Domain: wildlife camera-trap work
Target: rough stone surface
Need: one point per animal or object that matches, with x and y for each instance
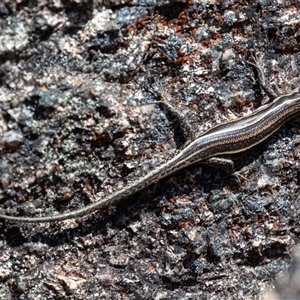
(79, 116)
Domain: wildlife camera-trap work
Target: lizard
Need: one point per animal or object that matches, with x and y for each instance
(222, 140)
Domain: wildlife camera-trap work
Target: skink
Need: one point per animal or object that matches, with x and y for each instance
(222, 140)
